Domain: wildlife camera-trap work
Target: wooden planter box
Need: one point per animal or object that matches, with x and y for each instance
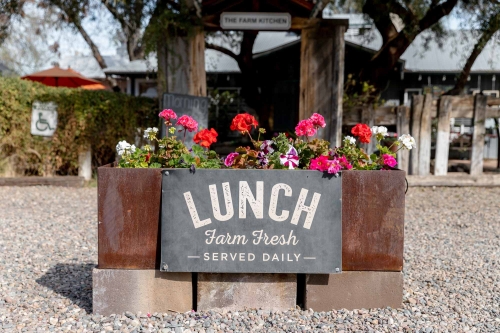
(129, 204)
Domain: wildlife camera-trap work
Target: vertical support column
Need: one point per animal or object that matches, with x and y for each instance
(181, 65)
(322, 77)
(424, 149)
(417, 104)
(477, 155)
(403, 127)
(443, 137)
(85, 163)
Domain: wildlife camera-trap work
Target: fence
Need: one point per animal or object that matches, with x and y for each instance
(417, 120)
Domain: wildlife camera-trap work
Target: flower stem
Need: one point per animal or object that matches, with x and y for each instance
(184, 138)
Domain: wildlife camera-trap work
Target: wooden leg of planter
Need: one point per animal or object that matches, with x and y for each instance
(354, 290)
(147, 290)
(237, 291)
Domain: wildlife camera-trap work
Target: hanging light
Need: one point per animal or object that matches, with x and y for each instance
(444, 77)
(420, 77)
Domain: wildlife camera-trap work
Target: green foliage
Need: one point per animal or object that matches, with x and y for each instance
(360, 94)
(201, 158)
(98, 118)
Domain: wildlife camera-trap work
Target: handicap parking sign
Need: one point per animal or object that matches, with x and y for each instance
(44, 118)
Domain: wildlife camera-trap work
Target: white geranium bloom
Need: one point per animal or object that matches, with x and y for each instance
(149, 131)
(122, 147)
(349, 140)
(407, 141)
(379, 130)
(132, 148)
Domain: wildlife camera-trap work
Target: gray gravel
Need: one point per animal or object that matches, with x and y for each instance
(48, 246)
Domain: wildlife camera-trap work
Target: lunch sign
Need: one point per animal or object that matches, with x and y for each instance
(251, 221)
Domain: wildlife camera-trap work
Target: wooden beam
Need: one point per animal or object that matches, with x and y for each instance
(424, 159)
(477, 155)
(417, 105)
(322, 78)
(403, 127)
(443, 136)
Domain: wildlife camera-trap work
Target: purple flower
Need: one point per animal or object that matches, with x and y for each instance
(266, 148)
(290, 159)
(230, 159)
(262, 158)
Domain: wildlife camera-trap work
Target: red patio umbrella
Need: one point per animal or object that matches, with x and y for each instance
(58, 77)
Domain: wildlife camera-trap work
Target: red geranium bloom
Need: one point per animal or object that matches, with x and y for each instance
(305, 127)
(243, 123)
(362, 131)
(206, 137)
(188, 123)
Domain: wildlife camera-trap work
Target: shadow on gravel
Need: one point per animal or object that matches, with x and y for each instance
(73, 281)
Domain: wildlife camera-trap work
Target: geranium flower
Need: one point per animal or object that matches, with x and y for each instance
(389, 160)
(230, 159)
(124, 147)
(317, 120)
(262, 158)
(363, 132)
(168, 115)
(320, 163)
(344, 163)
(150, 132)
(349, 140)
(266, 148)
(206, 137)
(243, 123)
(407, 141)
(305, 127)
(290, 159)
(188, 123)
(379, 131)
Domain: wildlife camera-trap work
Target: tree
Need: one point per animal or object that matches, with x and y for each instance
(416, 16)
(8, 9)
(486, 16)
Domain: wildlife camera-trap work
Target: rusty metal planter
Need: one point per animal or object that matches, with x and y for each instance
(129, 202)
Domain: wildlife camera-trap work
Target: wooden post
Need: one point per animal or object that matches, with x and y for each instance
(181, 64)
(403, 127)
(85, 163)
(443, 136)
(477, 155)
(368, 117)
(322, 77)
(417, 105)
(424, 149)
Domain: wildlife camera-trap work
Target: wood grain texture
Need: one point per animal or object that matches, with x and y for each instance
(478, 134)
(403, 127)
(322, 78)
(424, 159)
(443, 136)
(416, 119)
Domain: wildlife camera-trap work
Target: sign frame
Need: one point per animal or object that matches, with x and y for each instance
(191, 224)
(253, 21)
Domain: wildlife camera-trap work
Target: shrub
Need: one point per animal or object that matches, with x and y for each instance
(98, 118)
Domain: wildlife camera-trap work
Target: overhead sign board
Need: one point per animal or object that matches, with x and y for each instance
(255, 21)
(43, 118)
(193, 106)
(251, 221)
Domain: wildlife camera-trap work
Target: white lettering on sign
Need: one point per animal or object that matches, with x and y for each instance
(311, 210)
(194, 213)
(256, 203)
(274, 202)
(227, 199)
(255, 21)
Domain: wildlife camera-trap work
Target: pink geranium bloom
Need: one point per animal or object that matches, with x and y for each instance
(230, 159)
(188, 123)
(167, 114)
(344, 163)
(389, 160)
(319, 163)
(266, 148)
(317, 120)
(305, 127)
(290, 159)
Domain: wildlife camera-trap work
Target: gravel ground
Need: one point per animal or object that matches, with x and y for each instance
(48, 247)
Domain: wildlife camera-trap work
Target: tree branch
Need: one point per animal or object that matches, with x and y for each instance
(120, 18)
(95, 50)
(436, 13)
(222, 50)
